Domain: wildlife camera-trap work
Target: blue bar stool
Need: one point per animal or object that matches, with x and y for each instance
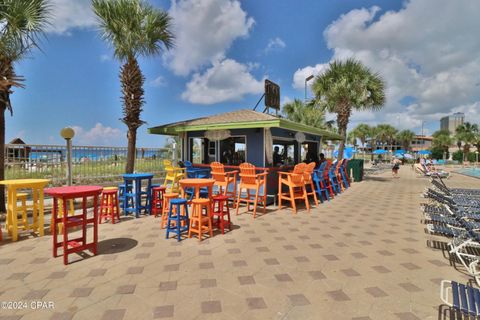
(177, 217)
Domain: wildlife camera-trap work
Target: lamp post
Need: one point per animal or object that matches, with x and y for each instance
(423, 122)
(67, 133)
(310, 77)
(476, 158)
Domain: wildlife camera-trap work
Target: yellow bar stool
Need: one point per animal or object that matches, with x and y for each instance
(71, 212)
(19, 209)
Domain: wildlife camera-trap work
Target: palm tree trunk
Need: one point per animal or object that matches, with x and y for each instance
(132, 81)
(342, 131)
(131, 152)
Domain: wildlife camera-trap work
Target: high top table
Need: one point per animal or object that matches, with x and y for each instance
(133, 191)
(196, 184)
(37, 186)
(76, 220)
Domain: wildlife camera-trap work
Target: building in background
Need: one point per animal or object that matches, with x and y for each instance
(421, 143)
(451, 123)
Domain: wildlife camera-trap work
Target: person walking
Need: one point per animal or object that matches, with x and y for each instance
(396, 166)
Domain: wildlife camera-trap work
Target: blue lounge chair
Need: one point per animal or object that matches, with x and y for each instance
(465, 299)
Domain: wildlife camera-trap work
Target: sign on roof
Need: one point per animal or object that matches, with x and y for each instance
(272, 94)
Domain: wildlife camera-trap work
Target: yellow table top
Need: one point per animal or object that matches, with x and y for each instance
(25, 182)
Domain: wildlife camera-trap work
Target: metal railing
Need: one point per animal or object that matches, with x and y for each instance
(89, 164)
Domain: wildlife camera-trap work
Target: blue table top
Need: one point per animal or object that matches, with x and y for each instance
(138, 175)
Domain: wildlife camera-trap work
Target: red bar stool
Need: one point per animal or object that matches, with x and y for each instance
(220, 210)
(200, 223)
(157, 202)
(109, 205)
(165, 205)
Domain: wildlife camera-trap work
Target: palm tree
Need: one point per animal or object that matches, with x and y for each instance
(362, 132)
(134, 28)
(442, 139)
(405, 137)
(307, 114)
(386, 133)
(466, 133)
(22, 22)
(347, 86)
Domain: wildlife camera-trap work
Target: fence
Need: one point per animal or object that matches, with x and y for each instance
(89, 164)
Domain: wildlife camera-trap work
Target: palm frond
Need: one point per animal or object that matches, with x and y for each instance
(133, 27)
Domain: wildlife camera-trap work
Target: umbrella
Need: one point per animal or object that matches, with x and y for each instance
(401, 151)
(346, 153)
(424, 152)
(407, 156)
(380, 151)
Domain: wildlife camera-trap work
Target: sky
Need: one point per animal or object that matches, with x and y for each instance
(425, 50)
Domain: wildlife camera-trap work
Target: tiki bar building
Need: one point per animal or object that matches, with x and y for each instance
(245, 135)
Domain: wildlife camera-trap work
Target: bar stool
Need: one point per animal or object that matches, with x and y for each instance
(157, 202)
(109, 205)
(71, 212)
(21, 209)
(220, 210)
(199, 223)
(165, 205)
(177, 217)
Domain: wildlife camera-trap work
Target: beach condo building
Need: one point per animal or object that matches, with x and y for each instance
(451, 123)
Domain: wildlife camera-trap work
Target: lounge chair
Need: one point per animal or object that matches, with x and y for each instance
(467, 251)
(464, 299)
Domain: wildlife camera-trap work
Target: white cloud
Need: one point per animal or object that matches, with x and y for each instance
(431, 57)
(204, 30)
(227, 80)
(158, 82)
(301, 74)
(275, 44)
(68, 14)
(99, 135)
(105, 57)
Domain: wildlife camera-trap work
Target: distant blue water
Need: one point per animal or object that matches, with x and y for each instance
(472, 172)
(84, 154)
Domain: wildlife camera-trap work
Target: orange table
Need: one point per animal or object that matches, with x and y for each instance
(196, 184)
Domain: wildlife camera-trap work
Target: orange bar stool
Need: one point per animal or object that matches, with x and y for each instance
(200, 223)
(220, 211)
(165, 205)
(157, 200)
(109, 205)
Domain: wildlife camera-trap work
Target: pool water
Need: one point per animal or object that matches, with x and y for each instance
(472, 172)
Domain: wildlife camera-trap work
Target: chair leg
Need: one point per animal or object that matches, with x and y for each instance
(305, 196)
(314, 193)
(255, 203)
(238, 200)
(292, 199)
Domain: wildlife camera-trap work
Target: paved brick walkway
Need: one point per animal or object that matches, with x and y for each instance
(364, 255)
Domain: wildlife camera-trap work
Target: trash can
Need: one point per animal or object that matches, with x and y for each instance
(355, 168)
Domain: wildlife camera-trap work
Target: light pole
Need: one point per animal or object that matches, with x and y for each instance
(310, 77)
(423, 122)
(476, 158)
(67, 133)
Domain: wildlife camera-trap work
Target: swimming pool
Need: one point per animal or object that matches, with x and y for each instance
(472, 172)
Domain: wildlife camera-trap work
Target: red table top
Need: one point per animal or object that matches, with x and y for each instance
(73, 191)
